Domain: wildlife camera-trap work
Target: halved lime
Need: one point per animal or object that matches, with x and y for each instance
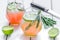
(53, 32)
(7, 30)
(29, 17)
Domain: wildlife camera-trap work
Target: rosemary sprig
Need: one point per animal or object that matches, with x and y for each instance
(29, 26)
(48, 22)
(38, 19)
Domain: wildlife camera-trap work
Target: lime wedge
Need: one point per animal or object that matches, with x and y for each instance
(7, 30)
(53, 32)
(29, 17)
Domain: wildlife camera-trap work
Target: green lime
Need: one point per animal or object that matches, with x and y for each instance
(29, 17)
(53, 32)
(14, 6)
(7, 30)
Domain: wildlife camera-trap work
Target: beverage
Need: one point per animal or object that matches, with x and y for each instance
(14, 13)
(31, 26)
(32, 31)
(15, 17)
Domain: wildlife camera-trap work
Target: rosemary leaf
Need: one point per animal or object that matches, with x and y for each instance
(38, 19)
(28, 26)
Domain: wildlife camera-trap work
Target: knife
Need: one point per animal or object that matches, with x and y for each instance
(49, 11)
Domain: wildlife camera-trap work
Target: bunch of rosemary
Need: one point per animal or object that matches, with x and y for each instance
(48, 22)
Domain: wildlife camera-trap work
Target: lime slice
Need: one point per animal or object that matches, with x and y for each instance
(7, 30)
(53, 32)
(29, 17)
(12, 6)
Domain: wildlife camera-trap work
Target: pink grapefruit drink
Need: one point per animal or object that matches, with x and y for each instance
(14, 14)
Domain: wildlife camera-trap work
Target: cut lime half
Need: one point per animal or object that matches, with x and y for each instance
(53, 32)
(7, 30)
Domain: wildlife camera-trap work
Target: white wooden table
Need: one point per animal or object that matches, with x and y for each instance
(18, 34)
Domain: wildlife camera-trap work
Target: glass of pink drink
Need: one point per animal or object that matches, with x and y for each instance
(15, 13)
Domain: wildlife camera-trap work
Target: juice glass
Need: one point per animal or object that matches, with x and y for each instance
(15, 13)
(32, 24)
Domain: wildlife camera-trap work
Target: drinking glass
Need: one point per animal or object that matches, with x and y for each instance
(32, 23)
(15, 11)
